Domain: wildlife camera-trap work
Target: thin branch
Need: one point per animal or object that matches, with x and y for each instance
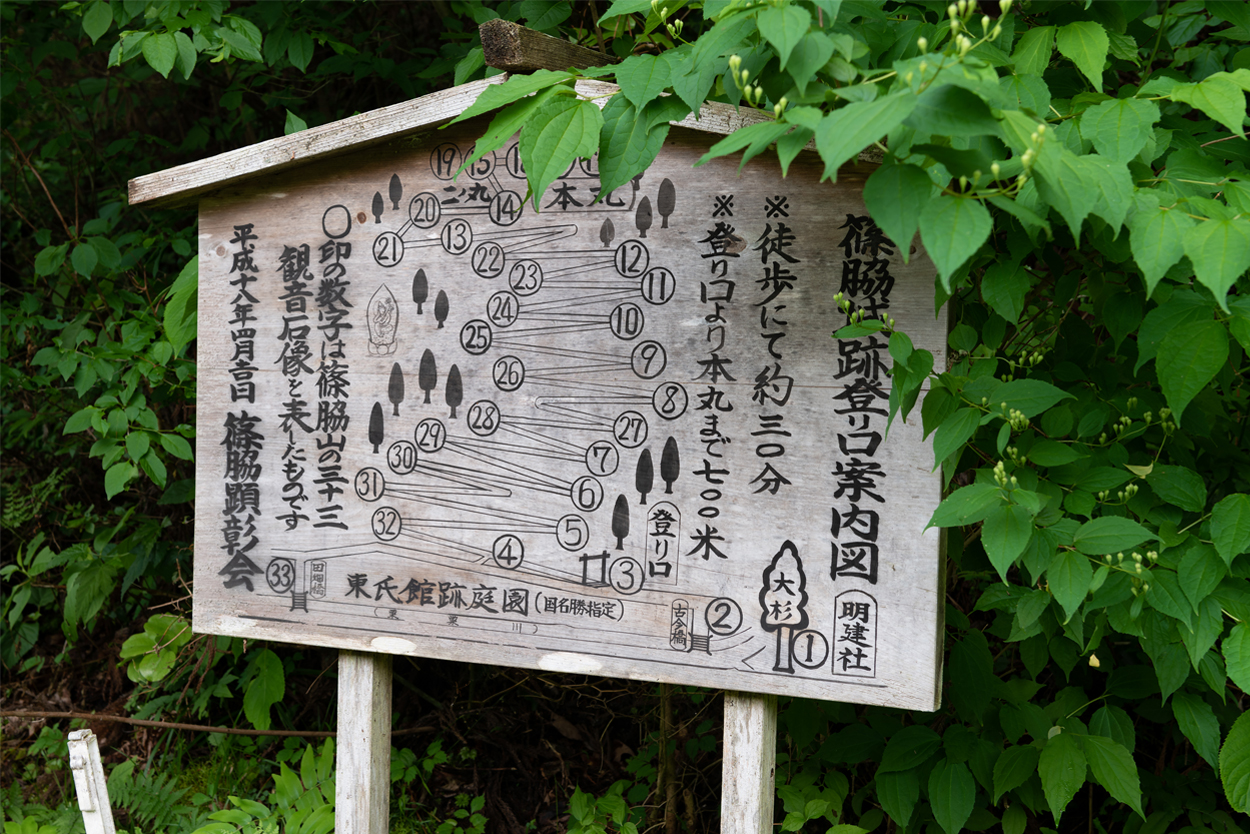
(171, 725)
(35, 171)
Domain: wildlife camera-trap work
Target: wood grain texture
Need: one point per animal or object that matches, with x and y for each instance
(750, 761)
(89, 782)
(514, 48)
(363, 750)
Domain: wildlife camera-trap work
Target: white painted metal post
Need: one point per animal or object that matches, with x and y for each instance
(93, 795)
(363, 749)
(749, 764)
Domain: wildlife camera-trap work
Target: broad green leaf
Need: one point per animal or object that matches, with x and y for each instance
(783, 27)
(1184, 308)
(1120, 128)
(1085, 44)
(1219, 96)
(897, 792)
(300, 50)
(506, 123)
(964, 506)
(952, 795)
(137, 444)
(1189, 358)
(265, 689)
(1239, 324)
(1115, 724)
(908, 748)
(176, 446)
(1235, 764)
(516, 87)
(723, 37)
(239, 45)
(1109, 534)
(1017, 209)
(970, 671)
(84, 259)
(643, 77)
(811, 53)
(953, 229)
(1033, 51)
(98, 18)
(1114, 189)
(294, 124)
(1026, 92)
(117, 476)
(751, 140)
(160, 51)
(1165, 595)
(1172, 667)
(1157, 237)
(1201, 572)
(623, 7)
(954, 432)
(626, 147)
(80, 420)
(1230, 526)
(181, 306)
(1220, 250)
(895, 196)
(562, 130)
(1066, 181)
(1004, 534)
(1062, 768)
(187, 55)
(788, 148)
(848, 130)
(1236, 651)
(1113, 767)
(693, 87)
(1207, 626)
(949, 110)
(1028, 396)
(1014, 767)
(1053, 453)
(1069, 576)
(1178, 485)
(1003, 287)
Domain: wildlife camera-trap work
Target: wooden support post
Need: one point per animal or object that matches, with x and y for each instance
(749, 764)
(363, 767)
(93, 795)
(513, 48)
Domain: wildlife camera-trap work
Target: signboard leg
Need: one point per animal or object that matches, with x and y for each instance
(93, 797)
(363, 767)
(749, 763)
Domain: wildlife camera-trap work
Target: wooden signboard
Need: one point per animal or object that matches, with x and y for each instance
(611, 434)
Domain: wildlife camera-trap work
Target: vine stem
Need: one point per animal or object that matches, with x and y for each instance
(172, 725)
(42, 184)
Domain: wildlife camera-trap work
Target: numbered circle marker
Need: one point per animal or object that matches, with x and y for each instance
(525, 277)
(401, 457)
(424, 211)
(488, 259)
(572, 532)
(508, 552)
(809, 649)
(723, 617)
(457, 236)
(658, 285)
(483, 168)
(388, 249)
(386, 523)
(508, 373)
(370, 484)
(602, 458)
(625, 576)
(445, 160)
(430, 435)
(475, 337)
(631, 258)
(630, 429)
(587, 494)
(503, 308)
(512, 161)
(280, 574)
(649, 359)
(626, 321)
(670, 400)
(505, 208)
(484, 417)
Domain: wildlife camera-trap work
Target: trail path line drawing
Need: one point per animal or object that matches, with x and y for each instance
(613, 435)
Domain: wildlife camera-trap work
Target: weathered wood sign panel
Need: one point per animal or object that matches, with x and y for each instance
(611, 438)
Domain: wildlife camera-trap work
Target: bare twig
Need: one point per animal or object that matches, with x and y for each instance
(171, 725)
(35, 171)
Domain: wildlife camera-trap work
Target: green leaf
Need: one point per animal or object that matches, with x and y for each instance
(1236, 651)
(897, 792)
(97, 20)
(1028, 396)
(181, 306)
(1184, 308)
(895, 196)
(1165, 595)
(80, 420)
(50, 259)
(1004, 534)
(1003, 287)
(1062, 768)
(723, 37)
(117, 476)
(954, 432)
(179, 492)
(1114, 190)
(624, 7)
(265, 689)
(1207, 626)
(1027, 217)
(626, 147)
(1197, 721)
(1053, 453)
(752, 140)
(783, 27)
(84, 259)
(642, 77)
(561, 131)
(1066, 182)
(1120, 128)
(294, 124)
(1085, 44)
(87, 590)
(966, 506)
(1115, 724)
(908, 748)
(952, 795)
(1115, 770)
(515, 88)
(848, 130)
(1069, 576)
(239, 45)
(1014, 767)
(300, 50)
(811, 53)
(1220, 250)
(953, 229)
(1178, 485)
(1109, 534)
(970, 671)
(1219, 96)
(1033, 51)
(1235, 764)
(1230, 526)
(505, 124)
(137, 444)
(950, 110)
(1189, 358)
(1200, 572)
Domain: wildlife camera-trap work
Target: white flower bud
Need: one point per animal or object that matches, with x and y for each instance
(923, 43)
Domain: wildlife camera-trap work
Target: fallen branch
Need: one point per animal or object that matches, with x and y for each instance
(202, 728)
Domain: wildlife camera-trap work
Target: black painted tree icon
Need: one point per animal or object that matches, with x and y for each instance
(783, 598)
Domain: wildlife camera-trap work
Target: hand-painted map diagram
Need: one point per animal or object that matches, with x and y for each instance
(612, 435)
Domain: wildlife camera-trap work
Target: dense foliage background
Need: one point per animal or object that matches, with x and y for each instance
(1078, 174)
